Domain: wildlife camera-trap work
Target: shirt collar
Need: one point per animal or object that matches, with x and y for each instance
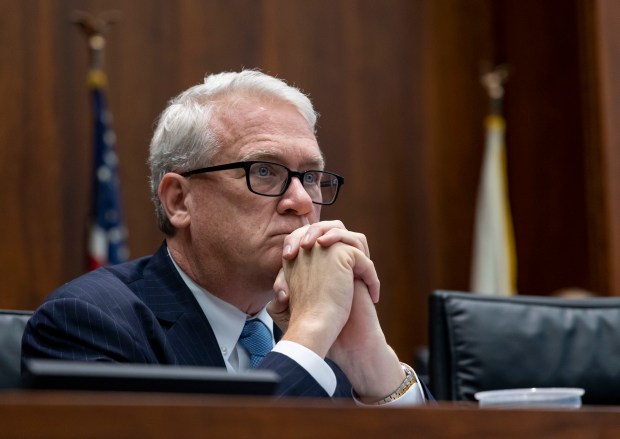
(226, 320)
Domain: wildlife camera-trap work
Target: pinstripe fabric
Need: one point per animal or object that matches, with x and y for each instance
(142, 312)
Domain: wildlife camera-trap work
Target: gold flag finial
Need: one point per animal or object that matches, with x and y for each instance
(94, 29)
(493, 80)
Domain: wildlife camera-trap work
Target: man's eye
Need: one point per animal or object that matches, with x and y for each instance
(310, 178)
(263, 171)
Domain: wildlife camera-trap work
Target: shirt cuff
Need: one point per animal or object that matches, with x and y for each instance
(311, 362)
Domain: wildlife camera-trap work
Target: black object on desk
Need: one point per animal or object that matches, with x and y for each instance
(75, 375)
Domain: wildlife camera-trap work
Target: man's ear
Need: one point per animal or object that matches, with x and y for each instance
(173, 191)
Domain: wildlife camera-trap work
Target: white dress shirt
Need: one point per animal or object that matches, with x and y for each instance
(227, 322)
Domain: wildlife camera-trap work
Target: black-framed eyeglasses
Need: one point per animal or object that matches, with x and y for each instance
(273, 179)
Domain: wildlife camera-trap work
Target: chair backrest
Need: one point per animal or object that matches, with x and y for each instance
(12, 324)
(484, 343)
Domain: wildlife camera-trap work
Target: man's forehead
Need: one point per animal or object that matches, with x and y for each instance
(254, 129)
(285, 156)
(238, 115)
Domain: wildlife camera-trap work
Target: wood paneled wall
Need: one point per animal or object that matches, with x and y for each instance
(397, 86)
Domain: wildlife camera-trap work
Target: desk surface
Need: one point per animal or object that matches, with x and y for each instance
(37, 414)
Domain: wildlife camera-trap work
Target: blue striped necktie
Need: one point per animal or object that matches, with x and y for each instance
(256, 339)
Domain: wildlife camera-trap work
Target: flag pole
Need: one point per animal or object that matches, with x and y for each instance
(107, 234)
(494, 257)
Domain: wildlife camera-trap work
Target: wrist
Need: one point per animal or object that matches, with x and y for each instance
(312, 334)
(403, 388)
(373, 376)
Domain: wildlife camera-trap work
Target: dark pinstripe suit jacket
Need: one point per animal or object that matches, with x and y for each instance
(142, 312)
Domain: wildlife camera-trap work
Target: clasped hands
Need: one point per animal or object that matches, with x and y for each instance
(325, 300)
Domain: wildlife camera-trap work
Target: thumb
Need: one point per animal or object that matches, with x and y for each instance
(278, 308)
(279, 304)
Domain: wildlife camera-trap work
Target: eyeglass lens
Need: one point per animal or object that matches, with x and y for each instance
(271, 179)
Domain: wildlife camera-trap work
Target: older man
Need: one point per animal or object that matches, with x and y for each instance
(238, 181)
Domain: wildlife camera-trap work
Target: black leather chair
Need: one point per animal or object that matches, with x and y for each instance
(481, 343)
(12, 324)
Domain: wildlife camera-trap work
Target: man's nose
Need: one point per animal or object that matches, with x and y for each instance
(296, 198)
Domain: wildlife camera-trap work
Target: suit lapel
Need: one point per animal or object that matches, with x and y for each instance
(188, 331)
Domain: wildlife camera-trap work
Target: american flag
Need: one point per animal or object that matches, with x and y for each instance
(107, 240)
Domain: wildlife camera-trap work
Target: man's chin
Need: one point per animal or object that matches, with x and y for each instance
(278, 239)
(272, 261)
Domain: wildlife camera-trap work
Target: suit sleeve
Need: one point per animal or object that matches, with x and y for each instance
(296, 381)
(73, 329)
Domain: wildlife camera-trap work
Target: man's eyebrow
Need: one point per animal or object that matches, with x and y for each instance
(271, 156)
